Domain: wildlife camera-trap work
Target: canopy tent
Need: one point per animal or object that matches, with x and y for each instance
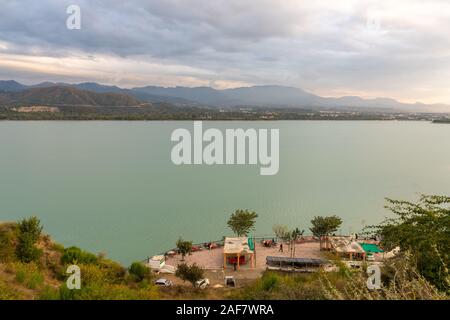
(370, 247)
(345, 246)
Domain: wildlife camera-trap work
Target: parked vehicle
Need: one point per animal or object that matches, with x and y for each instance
(202, 284)
(163, 282)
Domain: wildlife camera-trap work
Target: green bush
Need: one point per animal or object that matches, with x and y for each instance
(74, 255)
(29, 231)
(138, 271)
(270, 282)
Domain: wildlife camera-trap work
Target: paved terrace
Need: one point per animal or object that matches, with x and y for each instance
(213, 259)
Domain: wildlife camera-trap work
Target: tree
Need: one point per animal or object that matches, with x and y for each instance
(138, 271)
(184, 247)
(242, 222)
(295, 234)
(29, 231)
(423, 230)
(323, 226)
(281, 231)
(192, 273)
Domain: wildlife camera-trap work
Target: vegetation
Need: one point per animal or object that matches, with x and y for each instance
(401, 281)
(8, 237)
(242, 222)
(423, 230)
(43, 276)
(138, 271)
(74, 255)
(184, 247)
(419, 271)
(167, 111)
(290, 236)
(29, 231)
(192, 273)
(324, 226)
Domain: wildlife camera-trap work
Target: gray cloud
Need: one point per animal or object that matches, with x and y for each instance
(329, 47)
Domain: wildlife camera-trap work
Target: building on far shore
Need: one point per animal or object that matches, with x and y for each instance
(238, 251)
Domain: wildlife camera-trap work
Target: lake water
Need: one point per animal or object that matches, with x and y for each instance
(111, 186)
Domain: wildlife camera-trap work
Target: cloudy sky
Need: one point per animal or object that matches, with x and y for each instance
(382, 48)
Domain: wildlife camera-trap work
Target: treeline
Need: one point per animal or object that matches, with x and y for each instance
(164, 111)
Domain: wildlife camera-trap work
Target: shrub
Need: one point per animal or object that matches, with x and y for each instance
(8, 240)
(49, 293)
(138, 271)
(28, 274)
(8, 293)
(29, 231)
(75, 255)
(113, 271)
(270, 282)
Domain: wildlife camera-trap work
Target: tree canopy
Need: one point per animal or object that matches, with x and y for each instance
(323, 226)
(191, 273)
(184, 247)
(423, 230)
(242, 222)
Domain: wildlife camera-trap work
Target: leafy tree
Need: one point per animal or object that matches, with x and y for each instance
(192, 273)
(242, 222)
(184, 247)
(139, 271)
(29, 231)
(323, 226)
(281, 232)
(423, 230)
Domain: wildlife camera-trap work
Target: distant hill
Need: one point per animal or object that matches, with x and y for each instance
(67, 95)
(11, 86)
(256, 96)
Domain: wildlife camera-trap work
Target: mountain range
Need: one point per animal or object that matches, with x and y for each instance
(91, 93)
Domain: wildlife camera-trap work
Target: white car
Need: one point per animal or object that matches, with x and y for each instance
(202, 284)
(163, 282)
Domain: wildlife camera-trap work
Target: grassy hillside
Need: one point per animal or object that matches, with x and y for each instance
(33, 266)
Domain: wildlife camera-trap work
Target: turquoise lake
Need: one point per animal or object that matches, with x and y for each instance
(111, 186)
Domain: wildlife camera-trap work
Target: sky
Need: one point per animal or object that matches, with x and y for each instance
(383, 48)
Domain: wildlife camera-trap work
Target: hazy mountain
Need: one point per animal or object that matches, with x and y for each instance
(269, 96)
(11, 86)
(66, 95)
